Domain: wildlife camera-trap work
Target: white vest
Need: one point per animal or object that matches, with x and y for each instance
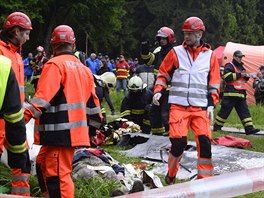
(189, 85)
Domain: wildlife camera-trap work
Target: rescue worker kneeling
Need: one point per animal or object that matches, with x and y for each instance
(135, 106)
(66, 110)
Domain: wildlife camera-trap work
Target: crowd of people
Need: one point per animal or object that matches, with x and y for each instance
(174, 89)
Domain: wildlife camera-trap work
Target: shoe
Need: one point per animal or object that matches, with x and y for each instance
(117, 192)
(169, 180)
(217, 127)
(137, 187)
(252, 131)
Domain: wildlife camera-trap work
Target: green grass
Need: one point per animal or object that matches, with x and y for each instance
(102, 188)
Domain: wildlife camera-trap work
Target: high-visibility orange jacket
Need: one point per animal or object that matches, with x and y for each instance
(65, 103)
(122, 70)
(172, 71)
(11, 51)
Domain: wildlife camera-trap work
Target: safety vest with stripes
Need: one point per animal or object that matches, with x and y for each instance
(189, 85)
(5, 66)
(240, 83)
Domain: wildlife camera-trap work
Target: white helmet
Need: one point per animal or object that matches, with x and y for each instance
(157, 50)
(109, 79)
(136, 84)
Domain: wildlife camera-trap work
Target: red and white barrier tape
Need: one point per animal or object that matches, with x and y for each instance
(226, 185)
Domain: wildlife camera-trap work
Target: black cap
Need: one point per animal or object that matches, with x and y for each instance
(238, 53)
(261, 67)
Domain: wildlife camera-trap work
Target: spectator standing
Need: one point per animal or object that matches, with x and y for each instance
(67, 112)
(234, 95)
(103, 66)
(92, 63)
(193, 70)
(28, 67)
(122, 72)
(110, 64)
(258, 85)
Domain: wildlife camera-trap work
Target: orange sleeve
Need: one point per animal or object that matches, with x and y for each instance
(214, 79)
(49, 82)
(167, 67)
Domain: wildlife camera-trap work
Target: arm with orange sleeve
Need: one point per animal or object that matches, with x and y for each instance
(213, 86)
(167, 67)
(48, 85)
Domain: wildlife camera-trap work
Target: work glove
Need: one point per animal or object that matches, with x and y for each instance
(145, 47)
(156, 98)
(244, 74)
(210, 114)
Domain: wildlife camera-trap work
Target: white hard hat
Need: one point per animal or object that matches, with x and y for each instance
(109, 79)
(136, 84)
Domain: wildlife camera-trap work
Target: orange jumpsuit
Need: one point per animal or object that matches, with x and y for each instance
(65, 107)
(11, 51)
(195, 79)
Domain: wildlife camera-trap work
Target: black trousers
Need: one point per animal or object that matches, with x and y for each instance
(159, 115)
(241, 107)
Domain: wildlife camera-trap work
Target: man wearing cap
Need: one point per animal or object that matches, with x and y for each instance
(122, 71)
(236, 77)
(258, 85)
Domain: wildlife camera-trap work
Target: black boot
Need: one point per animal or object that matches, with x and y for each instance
(169, 180)
(217, 127)
(251, 130)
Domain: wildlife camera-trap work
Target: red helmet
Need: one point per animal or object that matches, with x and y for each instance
(40, 49)
(193, 24)
(18, 19)
(166, 32)
(62, 34)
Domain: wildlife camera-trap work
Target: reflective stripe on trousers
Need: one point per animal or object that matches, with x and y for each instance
(20, 183)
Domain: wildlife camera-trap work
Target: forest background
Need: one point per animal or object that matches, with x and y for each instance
(116, 27)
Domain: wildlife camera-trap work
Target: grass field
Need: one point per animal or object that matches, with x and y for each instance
(97, 188)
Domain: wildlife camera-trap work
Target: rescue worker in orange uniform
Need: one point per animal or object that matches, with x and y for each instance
(159, 115)
(12, 113)
(38, 61)
(15, 33)
(234, 95)
(192, 70)
(66, 110)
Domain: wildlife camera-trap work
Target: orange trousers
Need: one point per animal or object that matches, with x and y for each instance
(54, 167)
(181, 120)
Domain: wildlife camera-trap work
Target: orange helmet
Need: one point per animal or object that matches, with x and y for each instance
(193, 24)
(62, 34)
(40, 49)
(166, 32)
(18, 19)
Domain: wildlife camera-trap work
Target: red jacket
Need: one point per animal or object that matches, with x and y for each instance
(122, 70)
(65, 105)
